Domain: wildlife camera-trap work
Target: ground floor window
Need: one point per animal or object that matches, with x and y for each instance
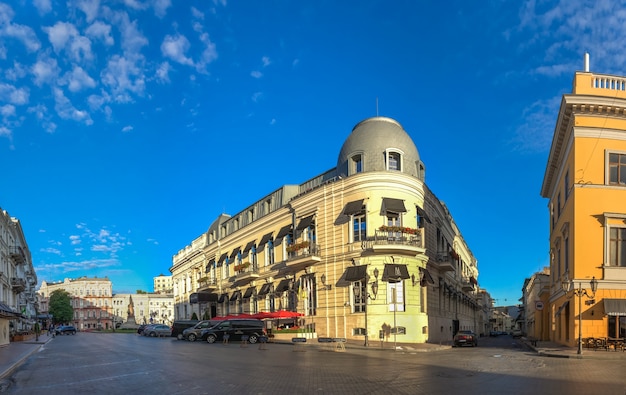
(617, 326)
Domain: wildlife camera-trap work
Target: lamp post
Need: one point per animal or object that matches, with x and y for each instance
(568, 286)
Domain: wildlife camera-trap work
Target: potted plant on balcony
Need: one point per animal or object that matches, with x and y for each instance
(298, 246)
(242, 266)
(400, 229)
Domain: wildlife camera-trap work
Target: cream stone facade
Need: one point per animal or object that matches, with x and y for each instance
(18, 281)
(585, 184)
(163, 284)
(90, 299)
(364, 251)
(147, 308)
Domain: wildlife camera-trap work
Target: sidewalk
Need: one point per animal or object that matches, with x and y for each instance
(550, 349)
(15, 353)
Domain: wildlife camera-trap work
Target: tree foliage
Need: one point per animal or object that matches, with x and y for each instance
(194, 316)
(60, 306)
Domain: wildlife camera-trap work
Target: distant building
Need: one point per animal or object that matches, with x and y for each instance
(18, 280)
(585, 184)
(90, 299)
(147, 308)
(536, 299)
(363, 250)
(163, 284)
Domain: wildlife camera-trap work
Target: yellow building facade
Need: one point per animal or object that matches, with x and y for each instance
(364, 251)
(585, 182)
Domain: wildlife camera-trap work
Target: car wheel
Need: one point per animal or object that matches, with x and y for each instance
(191, 337)
(210, 339)
(152, 334)
(73, 333)
(253, 339)
(180, 336)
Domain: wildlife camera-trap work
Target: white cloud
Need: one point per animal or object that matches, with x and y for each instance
(20, 32)
(162, 72)
(160, 7)
(43, 6)
(60, 34)
(127, 128)
(533, 135)
(45, 70)
(66, 110)
(209, 54)
(175, 47)
(123, 76)
(8, 110)
(101, 31)
(257, 96)
(78, 80)
(74, 239)
(89, 7)
(266, 61)
(256, 74)
(13, 95)
(196, 13)
(5, 132)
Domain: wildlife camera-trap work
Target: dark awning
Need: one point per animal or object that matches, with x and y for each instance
(222, 258)
(210, 265)
(265, 289)
(394, 273)
(222, 298)
(426, 277)
(354, 207)
(284, 231)
(247, 249)
(392, 206)
(305, 222)
(283, 286)
(615, 307)
(249, 292)
(355, 273)
(200, 297)
(234, 253)
(235, 296)
(7, 312)
(264, 241)
(422, 213)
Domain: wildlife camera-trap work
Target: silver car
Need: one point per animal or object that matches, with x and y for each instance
(194, 333)
(157, 330)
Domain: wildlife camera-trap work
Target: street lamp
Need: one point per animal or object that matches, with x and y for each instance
(568, 286)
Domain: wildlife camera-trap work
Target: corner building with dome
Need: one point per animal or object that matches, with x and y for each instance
(364, 251)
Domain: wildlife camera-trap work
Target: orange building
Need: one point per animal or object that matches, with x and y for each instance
(585, 182)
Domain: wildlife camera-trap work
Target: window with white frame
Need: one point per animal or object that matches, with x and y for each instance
(359, 296)
(269, 253)
(393, 159)
(617, 246)
(359, 227)
(356, 164)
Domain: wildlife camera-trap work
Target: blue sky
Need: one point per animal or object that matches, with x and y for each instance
(128, 126)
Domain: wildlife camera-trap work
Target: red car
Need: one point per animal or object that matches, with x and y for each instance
(465, 338)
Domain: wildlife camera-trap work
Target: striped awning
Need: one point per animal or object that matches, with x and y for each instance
(615, 307)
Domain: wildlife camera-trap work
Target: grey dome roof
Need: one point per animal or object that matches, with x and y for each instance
(371, 138)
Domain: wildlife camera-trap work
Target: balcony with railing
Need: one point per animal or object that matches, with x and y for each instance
(246, 272)
(467, 285)
(17, 254)
(303, 254)
(445, 261)
(395, 239)
(18, 284)
(207, 284)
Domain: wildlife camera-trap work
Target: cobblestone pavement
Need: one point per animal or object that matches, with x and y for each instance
(105, 364)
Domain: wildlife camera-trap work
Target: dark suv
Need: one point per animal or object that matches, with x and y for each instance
(195, 332)
(235, 329)
(180, 325)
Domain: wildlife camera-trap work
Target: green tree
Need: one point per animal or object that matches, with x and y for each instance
(140, 292)
(61, 306)
(194, 316)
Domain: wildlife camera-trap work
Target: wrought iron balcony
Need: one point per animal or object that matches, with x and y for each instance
(399, 242)
(18, 284)
(445, 262)
(467, 286)
(17, 254)
(207, 284)
(301, 255)
(246, 272)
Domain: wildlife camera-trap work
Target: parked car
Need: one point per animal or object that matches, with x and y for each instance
(141, 328)
(180, 325)
(195, 332)
(465, 338)
(157, 330)
(516, 333)
(65, 330)
(235, 329)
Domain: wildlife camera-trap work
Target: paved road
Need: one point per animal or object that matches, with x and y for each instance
(123, 363)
